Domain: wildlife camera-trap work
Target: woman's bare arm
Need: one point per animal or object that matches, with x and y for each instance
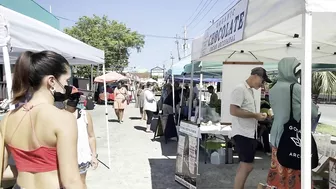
(10, 172)
(4, 158)
(67, 151)
(91, 134)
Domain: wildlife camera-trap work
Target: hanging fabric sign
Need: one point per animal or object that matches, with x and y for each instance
(226, 30)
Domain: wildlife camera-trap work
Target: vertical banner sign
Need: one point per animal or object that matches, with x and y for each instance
(332, 173)
(227, 30)
(187, 155)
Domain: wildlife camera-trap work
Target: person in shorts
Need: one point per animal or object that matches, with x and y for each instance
(86, 143)
(245, 119)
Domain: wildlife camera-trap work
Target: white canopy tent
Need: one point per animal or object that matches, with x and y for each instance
(29, 34)
(272, 34)
(19, 33)
(275, 29)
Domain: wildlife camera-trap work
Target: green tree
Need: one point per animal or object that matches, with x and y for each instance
(323, 83)
(115, 38)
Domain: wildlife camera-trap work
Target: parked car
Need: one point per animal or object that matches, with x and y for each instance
(101, 98)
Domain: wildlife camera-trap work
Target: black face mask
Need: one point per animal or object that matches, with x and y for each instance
(60, 97)
(72, 103)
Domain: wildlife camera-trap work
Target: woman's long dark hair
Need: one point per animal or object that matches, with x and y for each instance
(31, 68)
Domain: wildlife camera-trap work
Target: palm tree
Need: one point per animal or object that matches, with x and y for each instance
(323, 83)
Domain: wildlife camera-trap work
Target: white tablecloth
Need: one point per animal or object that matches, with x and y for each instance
(216, 130)
(224, 130)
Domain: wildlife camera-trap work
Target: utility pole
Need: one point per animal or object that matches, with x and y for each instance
(174, 105)
(178, 49)
(185, 45)
(172, 58)
(164, 72)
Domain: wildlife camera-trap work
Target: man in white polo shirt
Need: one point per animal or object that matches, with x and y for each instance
(245, 118)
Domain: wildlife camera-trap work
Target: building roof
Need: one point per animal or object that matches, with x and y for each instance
(142, 75)
(157, 68)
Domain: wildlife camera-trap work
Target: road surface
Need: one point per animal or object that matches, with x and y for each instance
(328, 114)
(137, 162)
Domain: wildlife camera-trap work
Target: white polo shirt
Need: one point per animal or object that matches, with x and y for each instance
(243, 96)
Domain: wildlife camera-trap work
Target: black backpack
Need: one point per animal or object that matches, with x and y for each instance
(89, 103)
(289, 150)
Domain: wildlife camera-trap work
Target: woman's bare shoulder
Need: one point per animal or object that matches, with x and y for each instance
(52, 113)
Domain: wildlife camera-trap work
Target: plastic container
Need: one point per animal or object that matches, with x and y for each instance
(215, 158)
(223, 155)
(229, 153)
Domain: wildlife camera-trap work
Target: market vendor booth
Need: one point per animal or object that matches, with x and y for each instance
(253, 32)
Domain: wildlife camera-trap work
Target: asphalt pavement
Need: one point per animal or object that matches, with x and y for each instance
(328, 114)
(137, 162)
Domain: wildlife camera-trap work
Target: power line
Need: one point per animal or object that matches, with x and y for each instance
(226, 9)
(218, 16)
(146, 35)
(166, 37)
(67, 19)
(195, 11)
(206, 4)
(213, 5)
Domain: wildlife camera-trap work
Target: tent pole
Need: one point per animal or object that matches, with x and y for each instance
(106, 119)
(200, 99)
(191, 95)
(91, 78)
(8, 74)
(173, 83)
(179, 116)
(306, 98)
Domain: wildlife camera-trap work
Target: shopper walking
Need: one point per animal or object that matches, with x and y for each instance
(43, 147)
(137, 94)
(86, 145)
(150, 105)
(141, 103)
(167, 107)
(140, 97)
(244, 122)
(120, 101)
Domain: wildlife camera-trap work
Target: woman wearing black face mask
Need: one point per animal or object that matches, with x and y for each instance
(86, 145)
(61, 97)
(43, 147)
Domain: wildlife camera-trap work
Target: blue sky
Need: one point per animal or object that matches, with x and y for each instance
(154, 17)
